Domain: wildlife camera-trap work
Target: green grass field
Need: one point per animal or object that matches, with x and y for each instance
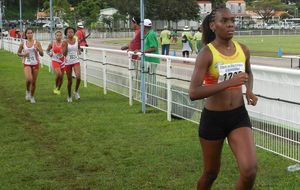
(101, 143)
(262, 44)
(258, 45)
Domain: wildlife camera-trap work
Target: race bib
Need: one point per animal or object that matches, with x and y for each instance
(227, 71)
(30, 59)
(58, 56)
(72, 55)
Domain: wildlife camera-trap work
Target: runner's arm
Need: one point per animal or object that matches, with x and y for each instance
(251, 98)
(39, 48)
(48, 51)
(65, 48)
(20, 53)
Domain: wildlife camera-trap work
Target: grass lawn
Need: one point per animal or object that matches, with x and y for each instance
(101, 143)
(289, 44)
(258, 45)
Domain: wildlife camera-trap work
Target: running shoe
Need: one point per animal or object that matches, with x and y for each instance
(56, 91)
(69, 99)
(32, 100)
(27, 96)
(77, 96)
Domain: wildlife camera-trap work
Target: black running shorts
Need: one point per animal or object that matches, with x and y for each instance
(216, 125)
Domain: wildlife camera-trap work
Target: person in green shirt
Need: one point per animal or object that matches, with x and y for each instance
(151, 46)
(150, 42)
(165, 41)
(197, 38)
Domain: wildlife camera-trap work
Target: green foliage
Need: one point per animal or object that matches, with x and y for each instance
(266, 8)
(88, 10)
(171, 10)
(217, 3)
(59, 6)
(29, 8)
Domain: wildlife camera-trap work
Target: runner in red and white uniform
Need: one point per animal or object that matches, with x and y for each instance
(54, 50)
(71, 51)
(30, 50)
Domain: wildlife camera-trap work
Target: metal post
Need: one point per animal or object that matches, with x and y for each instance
(84, 67)
(51, 29)
(21, 21)
(130, 78)
(51, 21)
(142, 57)
(1, 26)
(104, 72)
(169, 91)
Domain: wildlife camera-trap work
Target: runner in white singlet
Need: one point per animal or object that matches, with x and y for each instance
(71, 51)
(30, 50)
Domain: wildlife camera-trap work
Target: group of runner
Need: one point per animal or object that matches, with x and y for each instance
(221, 68)
(65, 58)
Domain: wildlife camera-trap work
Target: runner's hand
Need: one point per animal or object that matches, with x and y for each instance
(251, 98)
(26, 54)
(238, 79)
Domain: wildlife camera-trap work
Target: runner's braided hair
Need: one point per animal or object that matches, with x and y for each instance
(207, 34)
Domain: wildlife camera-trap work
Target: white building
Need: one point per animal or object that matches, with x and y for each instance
(236, 6)
(205, 7)
(108, 14)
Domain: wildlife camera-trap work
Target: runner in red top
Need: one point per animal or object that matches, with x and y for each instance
(80, 33)
(54, 50)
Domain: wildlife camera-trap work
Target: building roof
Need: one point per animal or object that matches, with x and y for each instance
(280, 13)
(203, 2)
(108, 11)
(236, 1)
(41, 14)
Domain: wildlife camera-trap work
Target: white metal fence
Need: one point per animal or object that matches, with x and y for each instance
(266, 32)
(45, 36)
(275, 119)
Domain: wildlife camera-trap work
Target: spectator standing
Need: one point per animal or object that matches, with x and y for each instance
(151, 46)
(197, 38)
(165, 40)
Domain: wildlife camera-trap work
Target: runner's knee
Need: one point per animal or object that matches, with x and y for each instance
(210, 175)
(249, 173)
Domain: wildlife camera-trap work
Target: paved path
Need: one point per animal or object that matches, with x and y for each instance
(255, 60)
(267, 61)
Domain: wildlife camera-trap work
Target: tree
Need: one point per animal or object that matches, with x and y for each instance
(217, 3)
(170, 10)
(266, 8)
(12, 9)
(88, 10)
(59, 7)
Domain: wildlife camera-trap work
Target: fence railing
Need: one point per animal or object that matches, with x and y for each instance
(275, 119)
(266, 32)
(45, 36)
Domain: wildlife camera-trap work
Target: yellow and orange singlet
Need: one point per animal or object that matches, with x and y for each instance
(225, 67)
